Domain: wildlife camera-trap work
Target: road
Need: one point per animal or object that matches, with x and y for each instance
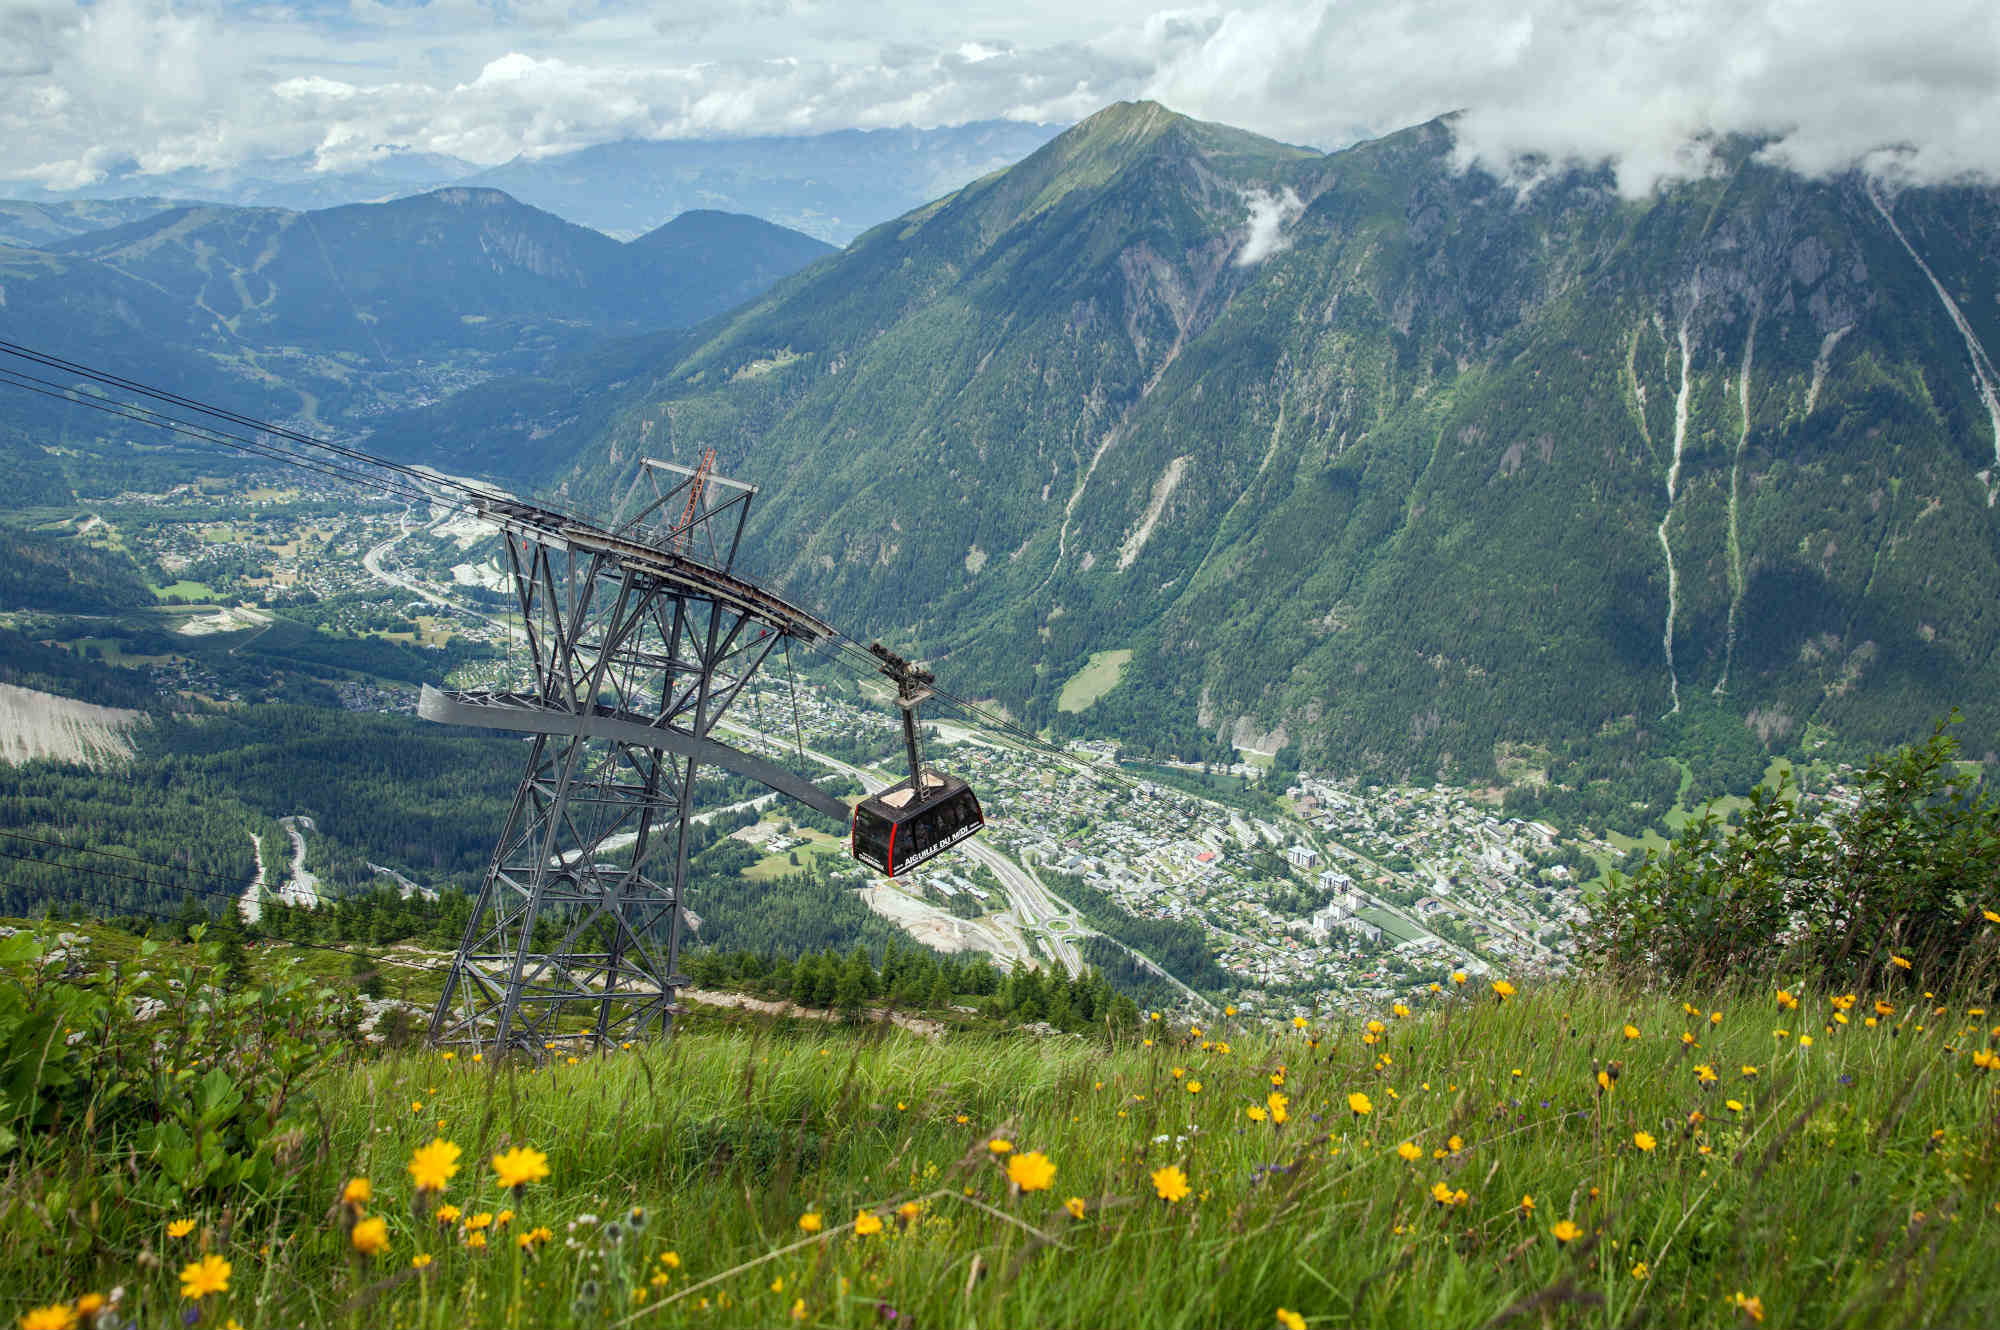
(372, 562)
(299, 886)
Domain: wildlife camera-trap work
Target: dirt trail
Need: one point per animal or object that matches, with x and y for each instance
(709, 997)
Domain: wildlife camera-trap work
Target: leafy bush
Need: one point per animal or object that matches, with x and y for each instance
(205, 1089)
(1909, 869)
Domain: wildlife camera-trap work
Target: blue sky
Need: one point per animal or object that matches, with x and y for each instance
(155, 85)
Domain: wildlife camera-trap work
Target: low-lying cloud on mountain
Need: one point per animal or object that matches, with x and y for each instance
(134, 88)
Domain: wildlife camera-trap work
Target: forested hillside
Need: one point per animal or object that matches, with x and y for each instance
(1421, 471)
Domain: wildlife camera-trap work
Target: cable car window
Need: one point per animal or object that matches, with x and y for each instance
(871, 834)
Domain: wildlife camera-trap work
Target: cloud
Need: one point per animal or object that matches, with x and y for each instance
(1645, 85)
(1268, 215)
(1639, 83)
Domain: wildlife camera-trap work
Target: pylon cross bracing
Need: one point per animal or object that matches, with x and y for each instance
(640, 638)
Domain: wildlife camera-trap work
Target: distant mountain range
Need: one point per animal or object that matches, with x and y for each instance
(832, 186)
(1371, 458)
(336, 314)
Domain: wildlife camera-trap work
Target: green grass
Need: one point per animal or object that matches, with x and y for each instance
(1098, 677)
(188, 590)
(1857, 1184)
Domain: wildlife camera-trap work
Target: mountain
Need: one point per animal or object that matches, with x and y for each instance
(1372, 459)
(295, 182)
(31, 224)
(832, 186)
(337, 313)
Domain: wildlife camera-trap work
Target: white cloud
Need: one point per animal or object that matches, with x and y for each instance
(95, 89)
(1268, 215)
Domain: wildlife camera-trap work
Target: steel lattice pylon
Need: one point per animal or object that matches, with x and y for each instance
(640, 639)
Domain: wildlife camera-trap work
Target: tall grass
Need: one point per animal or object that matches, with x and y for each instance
(1856, 1186)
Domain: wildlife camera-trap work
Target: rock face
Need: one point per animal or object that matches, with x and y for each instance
(1456, 461)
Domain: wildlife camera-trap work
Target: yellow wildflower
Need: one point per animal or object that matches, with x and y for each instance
(1255, 1113)
(520, 1166)
(1278, 1104)
(55, 1316)
(1631, 1032)
(1751, 1307)
(208, 1275)
(448, 1214)
(432, 1166)
(1409, 1152)
(1503, 989)
(1901, 963)
(1075, 1203)
(357, 1192)
(1644, 1140)
(179, 1228)
(1565, 1232)
(371, 1236)
(1031, 1171)
(1527, 1205)
(1357, 1104)
(1170, 1183)
(999, 1145)
(420, 1260)
(1458, 977)
(811, 1222)
(867, 1224)
(1291, 1320)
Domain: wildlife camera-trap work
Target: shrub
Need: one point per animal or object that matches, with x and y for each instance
(1907, 870)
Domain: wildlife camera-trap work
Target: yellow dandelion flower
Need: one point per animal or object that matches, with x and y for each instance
(1502, 989)
(1291, 1320)
(798, 1309)
(1900, 962)
(448, 1214)
(1644, 1140)
(1458, 977)
(1527, 1206)
(1031, 1171)
(1358, 1105)
(432, 1166)
(1733, 1105)
(357, 1192)
(420, 1260)
(371, 1236)
(1751, 1307)
(1278, 1104)
(1805, 1041)
(1640, 1270)
(1170, 1183)
(1687, 1039)
(1631, 1032)
(1409, 1152)
(180, 1228)
(671, 1259)
(1992, 917)
(476, 1240)
(55, 1316)
(1229, 1011)
(1786, 1002)
(1399, 1010)
(867, 1224)
(811, 1222)
(1194, 1087)
(1000, 1145)
(1455, 1144)
(1565, 1232)
(1604, 1082)
(1440, 1193)
(1298, 1022)
(208, 1275)
(484, 1219)
(1705, 1074)
(1255, 1113)
(520, 1166)
(1075, 1203)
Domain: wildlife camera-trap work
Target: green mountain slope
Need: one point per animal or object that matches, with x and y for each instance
(336, 314)
(1458, 472)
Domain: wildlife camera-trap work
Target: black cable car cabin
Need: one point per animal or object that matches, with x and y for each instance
(894, 832)
(903, 826)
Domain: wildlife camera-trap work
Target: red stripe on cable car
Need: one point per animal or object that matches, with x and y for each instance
(889, 859)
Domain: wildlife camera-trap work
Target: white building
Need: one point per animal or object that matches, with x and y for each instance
(1303, 857)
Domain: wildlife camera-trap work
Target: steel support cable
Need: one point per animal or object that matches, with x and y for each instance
(206, 434)
(223, 413)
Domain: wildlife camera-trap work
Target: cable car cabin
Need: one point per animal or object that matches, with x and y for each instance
(893, 833)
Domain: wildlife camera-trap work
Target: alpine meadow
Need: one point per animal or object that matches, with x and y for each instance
(1282, 665)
